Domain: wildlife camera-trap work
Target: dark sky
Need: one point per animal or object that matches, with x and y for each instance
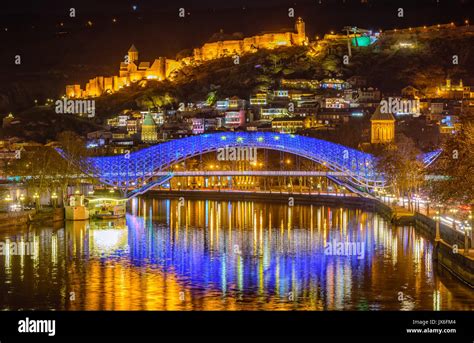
(157, 30)
(34, 31)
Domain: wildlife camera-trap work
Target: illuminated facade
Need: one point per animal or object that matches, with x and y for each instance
(133, 70)
(382, 127)
(210, 51)
(452, 91)
(149, 133)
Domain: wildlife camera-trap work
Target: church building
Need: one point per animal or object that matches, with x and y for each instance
(382, 127)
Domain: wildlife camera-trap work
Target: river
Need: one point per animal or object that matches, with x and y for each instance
(225, 255)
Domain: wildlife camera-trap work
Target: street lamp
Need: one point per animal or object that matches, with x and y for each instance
(471, 227)
(54, 197)
(437, 238)
(453, 211)
(36, 197)
(22, 198)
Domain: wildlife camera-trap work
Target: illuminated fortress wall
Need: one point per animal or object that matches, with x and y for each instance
(210, 51)
(133, 70)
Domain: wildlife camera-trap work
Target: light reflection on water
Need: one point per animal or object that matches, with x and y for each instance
(210, 255)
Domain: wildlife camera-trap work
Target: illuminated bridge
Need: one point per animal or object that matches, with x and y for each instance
(151, 166)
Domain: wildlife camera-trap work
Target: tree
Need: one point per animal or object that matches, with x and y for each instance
(456, 164)
(401, 166)
(74, 161)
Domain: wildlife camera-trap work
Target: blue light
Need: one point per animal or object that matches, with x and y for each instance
(138, 167)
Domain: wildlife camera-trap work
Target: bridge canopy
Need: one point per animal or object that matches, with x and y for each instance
(136, 169)
(139, 166)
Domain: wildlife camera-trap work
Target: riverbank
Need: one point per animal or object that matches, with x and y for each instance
(13, 219)
(449, 248)
(22, 218)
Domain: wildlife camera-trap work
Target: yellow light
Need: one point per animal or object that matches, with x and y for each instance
(107, 199)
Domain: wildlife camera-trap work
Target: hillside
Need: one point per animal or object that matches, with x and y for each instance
(425, 63)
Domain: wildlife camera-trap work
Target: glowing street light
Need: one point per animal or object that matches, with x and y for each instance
(36, 197)
(54, 198)
(437, 238)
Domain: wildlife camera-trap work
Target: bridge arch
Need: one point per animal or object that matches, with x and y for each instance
(136, 168)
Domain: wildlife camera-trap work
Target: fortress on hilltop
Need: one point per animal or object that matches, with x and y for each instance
(133, 70)
(210, 51)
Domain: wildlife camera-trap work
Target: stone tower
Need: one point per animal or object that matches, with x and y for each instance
(149, 133)
(132, 54)
(382, 127)
(300, 30)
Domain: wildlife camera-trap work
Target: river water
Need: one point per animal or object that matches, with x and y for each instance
(225, 255)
